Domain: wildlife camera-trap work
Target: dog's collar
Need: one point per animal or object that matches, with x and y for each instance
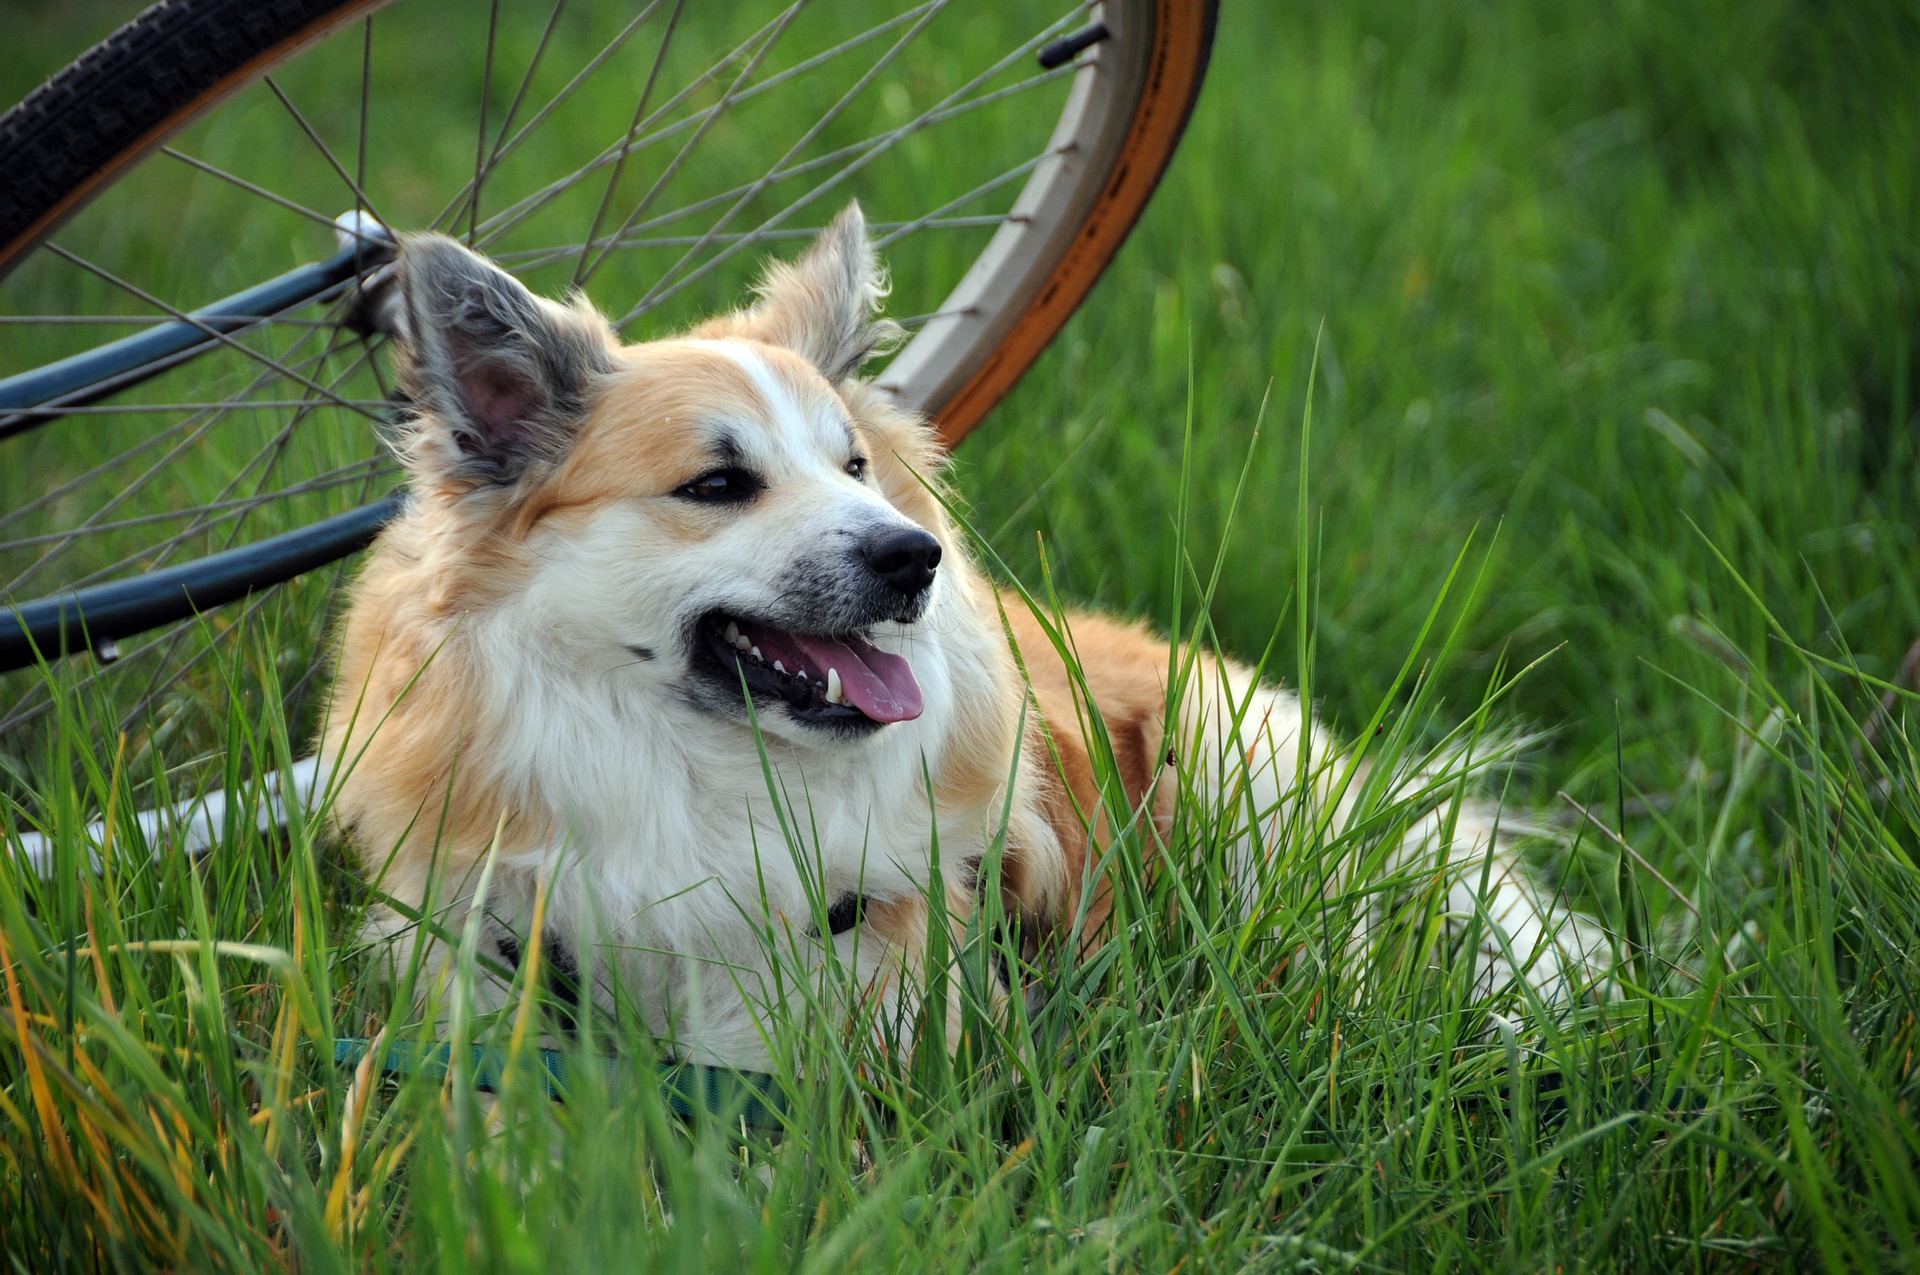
(845, 912)
(563, 972)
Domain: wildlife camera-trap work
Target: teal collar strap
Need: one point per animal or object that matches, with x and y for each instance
(744, 1097)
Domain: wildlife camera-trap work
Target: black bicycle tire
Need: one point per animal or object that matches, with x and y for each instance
(73, 135)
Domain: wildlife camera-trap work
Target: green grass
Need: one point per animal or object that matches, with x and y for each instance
(1617, 300)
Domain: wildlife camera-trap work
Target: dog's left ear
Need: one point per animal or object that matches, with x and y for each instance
(500, 375)
(823, 306)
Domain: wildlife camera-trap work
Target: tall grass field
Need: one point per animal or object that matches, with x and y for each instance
(1484, 370)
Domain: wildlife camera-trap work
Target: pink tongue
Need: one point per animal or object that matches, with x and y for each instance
(879, 684)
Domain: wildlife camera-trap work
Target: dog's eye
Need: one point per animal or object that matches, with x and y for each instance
(721, 486)
(857, 469)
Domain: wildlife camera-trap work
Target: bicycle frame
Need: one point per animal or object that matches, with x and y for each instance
(32, 398)
(99, 616)
(1108, 150)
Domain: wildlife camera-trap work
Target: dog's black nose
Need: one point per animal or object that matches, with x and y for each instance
(904, 557)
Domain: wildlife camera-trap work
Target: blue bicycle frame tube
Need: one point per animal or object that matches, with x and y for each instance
(35, 397)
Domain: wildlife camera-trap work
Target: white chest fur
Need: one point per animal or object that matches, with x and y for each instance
(690, 852)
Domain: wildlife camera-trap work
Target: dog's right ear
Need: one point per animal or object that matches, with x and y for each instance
(823, 305)
(501, 377)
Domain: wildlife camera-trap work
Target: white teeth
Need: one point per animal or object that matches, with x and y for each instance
(778, 667)
(756, 651)
(732, 633)
(743, 643)
(834, 694)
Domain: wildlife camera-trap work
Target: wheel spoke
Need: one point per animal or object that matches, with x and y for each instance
(223, 405)
(936, 219)
(168, 644)
(526, 80)
(265, 460)
(366, 92)
(359, 192)
(121, 496)
(639, 116)
(68, 537)
(457, 206)
(156, 685)
(948, 109)
(671, 156)
(133, 452)
(692, 143)
(819, 126)
(639, 237)
(111, 320)
(866, 150)
(209, 329)
(480, 165)
(513, 215)
(38, 700)
(668, 284)
(168, 671)
(534, 257)
(223, 510)
(214, 170)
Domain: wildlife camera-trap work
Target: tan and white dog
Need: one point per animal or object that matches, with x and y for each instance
(633, 581)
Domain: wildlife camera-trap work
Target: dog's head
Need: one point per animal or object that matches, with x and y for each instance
(727, 517)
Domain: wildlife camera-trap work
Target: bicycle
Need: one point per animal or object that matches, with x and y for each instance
(1003, 162)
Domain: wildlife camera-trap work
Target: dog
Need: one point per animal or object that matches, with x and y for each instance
(678, 646)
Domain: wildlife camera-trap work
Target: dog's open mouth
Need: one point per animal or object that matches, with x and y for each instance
(831, 679)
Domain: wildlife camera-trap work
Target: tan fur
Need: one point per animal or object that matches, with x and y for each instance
(420, 789)
(1125, 671)
(426, 792)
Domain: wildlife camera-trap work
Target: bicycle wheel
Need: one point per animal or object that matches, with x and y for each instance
(652, 154)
